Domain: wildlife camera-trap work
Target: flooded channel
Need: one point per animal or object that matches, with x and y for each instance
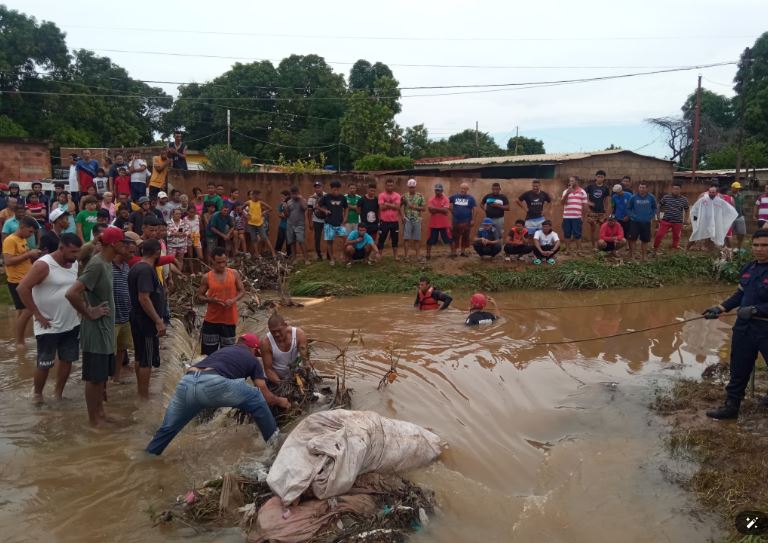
(547, 442)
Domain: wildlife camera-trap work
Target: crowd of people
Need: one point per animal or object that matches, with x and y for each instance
(92, 264)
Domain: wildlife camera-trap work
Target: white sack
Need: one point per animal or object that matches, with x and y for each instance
(711, 219)
(329, 449)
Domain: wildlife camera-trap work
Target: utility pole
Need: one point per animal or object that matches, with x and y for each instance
(696, 126)
(517, 138)
(742, 106)
(229, 135)
(477, 139)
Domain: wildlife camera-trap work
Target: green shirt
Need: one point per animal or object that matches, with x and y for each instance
(87, 219)
(738, 203)
(216, 199)
(98, 336)
(415, 200)
(353, 216)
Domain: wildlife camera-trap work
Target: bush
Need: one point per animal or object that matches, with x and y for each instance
(383, 162)
(220, 158)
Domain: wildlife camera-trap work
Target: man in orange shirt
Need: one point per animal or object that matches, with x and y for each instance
(611, 236)
(18, 259)
(159, 179)
(220, 288)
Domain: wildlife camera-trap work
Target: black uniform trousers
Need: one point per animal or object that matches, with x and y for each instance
(749, 338)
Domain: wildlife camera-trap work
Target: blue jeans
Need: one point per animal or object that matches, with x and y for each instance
(137, 191)
(197, 391)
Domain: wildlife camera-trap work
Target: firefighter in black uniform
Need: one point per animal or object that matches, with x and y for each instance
(750, 332)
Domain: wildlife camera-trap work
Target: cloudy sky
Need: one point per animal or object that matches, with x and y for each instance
(447, 42)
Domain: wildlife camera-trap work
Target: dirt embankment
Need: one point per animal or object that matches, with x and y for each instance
(731, 455)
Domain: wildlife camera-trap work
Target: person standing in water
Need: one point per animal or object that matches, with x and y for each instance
(284, 345)
(428, 298)
(477, 313)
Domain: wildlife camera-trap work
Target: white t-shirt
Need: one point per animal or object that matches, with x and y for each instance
(74, 184)
(138, 177)
(546, 239)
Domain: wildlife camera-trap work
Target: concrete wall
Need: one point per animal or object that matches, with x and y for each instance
(24, 161)
(271, 184)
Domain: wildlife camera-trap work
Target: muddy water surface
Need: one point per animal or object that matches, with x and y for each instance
(547, 443)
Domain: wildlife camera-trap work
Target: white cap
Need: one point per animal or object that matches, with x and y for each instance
(411, 182)
(617, 187)
(161, 195)
(56, 213)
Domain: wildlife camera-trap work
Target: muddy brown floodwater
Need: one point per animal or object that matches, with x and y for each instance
(546, 443)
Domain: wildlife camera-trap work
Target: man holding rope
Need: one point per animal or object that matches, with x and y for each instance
(750, 332)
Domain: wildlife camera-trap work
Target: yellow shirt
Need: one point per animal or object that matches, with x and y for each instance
(15, 246)
(255, 216)
(158, 178)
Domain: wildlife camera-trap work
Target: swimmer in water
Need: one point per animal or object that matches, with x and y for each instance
(477, 315)
(428, 298)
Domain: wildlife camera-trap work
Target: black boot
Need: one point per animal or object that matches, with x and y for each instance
(730, 410)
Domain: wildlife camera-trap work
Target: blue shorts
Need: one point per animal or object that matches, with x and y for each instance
(331, 232)
(533, 225)
(572, 228)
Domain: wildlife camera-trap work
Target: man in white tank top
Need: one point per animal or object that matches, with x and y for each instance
(56, 322)
(283, 346)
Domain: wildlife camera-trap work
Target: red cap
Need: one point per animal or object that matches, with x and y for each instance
(4, 186)
(251, 340)
(112, 235)
(478, 300)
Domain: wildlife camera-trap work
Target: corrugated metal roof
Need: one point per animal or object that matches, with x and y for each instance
(705, 173)
(549, 157)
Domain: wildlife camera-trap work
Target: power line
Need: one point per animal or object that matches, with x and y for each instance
(265, 142)
(678, 37)
(399, 65)
(484, 88)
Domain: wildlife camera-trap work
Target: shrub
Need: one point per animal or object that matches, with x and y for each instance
(383, 162)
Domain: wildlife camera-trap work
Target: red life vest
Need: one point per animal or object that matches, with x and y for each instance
(426, 301)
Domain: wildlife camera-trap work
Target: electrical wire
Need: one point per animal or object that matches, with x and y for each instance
(617, 303)
(113, 29)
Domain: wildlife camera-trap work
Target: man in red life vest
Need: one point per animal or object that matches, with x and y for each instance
(428, 298)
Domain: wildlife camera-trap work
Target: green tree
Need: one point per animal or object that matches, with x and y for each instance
(416, 141)
(8, 128)
(467, 143)
(372, 163)
(221, 158)
(521, 145)
(751, 86)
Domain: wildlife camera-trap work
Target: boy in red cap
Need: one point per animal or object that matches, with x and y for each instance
(477, 304)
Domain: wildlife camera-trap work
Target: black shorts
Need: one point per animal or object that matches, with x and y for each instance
(146, 344)
(640, 230)
(372, 229)
(98, 367)
(213, 336)
(389, 228)
(436, 233)
(359, 254)
(15, 296)
(626, 226)
(154, 191)
(610, 246)
(64, 344)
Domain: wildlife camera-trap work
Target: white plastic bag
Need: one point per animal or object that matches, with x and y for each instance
(329, 449)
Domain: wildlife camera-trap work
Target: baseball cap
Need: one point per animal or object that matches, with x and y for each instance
(617, 187)
(439, 186)
(131, 237)
(611, 217)
(143, 200)
(487, 221)
(735, 185)
(112, 235)
(478, 300)
(251, 340)
(411, 182)
(13, 185)
(161, 195)
(317, 184)
(56, 213)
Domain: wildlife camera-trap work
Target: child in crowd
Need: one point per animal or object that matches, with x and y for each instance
(122, 182)
(195, 252)
(241, 219)
(101, 182)
(37, 209)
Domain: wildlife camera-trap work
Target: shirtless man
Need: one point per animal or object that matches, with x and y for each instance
(282, 347)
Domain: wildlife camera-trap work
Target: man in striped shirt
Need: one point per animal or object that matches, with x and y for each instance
(761, 206)
(574, 202)
(672, 208)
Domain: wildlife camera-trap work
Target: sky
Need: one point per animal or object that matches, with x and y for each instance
(464, 43)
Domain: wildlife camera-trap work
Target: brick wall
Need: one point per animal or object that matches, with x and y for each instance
(24, 161)
(617, 166)
(271, 184)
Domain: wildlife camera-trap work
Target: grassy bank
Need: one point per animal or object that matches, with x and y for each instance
(731, 466)
(388, 276)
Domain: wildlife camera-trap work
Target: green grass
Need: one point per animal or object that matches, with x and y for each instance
(389, 276)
